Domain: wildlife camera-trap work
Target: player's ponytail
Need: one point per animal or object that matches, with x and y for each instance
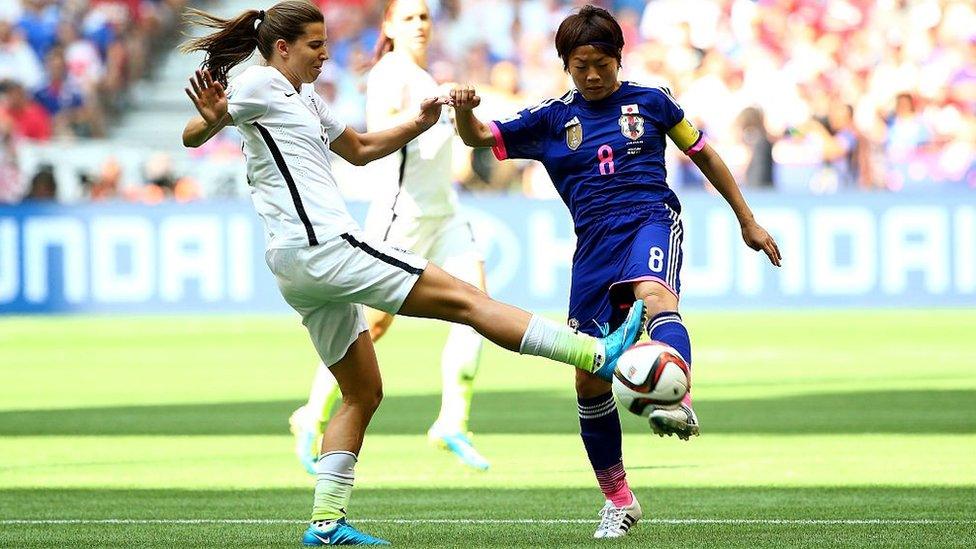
(590, 26)
(384, 44)
(236, 39)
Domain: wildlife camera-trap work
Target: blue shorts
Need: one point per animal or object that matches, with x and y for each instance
(619, 250)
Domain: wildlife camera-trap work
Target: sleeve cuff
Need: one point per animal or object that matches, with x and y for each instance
(499, 149)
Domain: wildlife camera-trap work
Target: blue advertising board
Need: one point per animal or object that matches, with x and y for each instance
(849, 250)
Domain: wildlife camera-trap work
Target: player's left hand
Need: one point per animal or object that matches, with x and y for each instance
(758, 239)
(430, 111)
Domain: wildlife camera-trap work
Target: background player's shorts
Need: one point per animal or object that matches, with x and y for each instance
(448, 242)
(327, 283)
(625, 248)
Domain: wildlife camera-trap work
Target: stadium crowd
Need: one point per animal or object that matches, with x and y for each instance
(65, 66)
(802, 95)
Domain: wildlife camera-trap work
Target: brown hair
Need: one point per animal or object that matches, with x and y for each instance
(236, 39)
(384, 44)
(590, 26)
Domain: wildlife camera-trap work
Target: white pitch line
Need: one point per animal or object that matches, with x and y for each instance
(693, 521)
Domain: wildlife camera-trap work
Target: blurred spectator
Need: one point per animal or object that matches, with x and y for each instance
(906, 131)
(18, 62)
(755, 138)
(106, 184)
(43, 187)
(853, 93)
(28, 118)
(64, 99)
(9, 170)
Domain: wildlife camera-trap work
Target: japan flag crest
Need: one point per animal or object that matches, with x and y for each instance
(631, 122)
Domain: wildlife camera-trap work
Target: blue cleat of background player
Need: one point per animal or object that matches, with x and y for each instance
(622, 339)
(339, 533)
(460, 445)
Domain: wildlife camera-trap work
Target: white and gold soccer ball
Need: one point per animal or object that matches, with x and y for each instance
(650, 375)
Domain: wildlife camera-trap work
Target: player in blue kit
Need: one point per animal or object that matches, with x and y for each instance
(603, 146)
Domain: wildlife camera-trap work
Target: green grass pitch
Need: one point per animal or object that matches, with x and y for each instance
(818, 429)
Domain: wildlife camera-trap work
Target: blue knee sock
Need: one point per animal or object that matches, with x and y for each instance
(600, 430)
(666, 327)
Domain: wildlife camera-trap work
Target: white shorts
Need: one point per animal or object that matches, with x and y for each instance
(328, 284)
(448, 242)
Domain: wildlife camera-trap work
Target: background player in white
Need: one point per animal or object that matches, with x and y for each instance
(325, 268)
(416, 209)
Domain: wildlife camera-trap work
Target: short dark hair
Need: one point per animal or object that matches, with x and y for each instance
(590, 26)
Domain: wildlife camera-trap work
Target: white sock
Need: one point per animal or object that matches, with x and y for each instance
(334, 477)
(459, 365)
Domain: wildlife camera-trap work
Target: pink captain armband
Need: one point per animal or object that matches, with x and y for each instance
(499, 148)
(698, 146)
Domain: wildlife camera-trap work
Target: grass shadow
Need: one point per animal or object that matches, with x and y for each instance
(527, 412)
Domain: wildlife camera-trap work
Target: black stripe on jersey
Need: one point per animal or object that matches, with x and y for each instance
(403, 170)
(380, 255)
(292, 188)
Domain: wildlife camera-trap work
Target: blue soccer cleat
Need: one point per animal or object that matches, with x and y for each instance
(340, 533)
(460, 445)
(622, 339)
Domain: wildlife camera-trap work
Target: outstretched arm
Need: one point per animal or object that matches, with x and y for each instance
(718, 174)
(472, 131)
(361, 148)
(211, 102)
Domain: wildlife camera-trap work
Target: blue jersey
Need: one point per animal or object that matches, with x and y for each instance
(603, 156)
(606, 159)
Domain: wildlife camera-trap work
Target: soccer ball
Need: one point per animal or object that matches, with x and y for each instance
(650, 374)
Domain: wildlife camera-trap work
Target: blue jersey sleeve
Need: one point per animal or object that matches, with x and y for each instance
(666, 111)
(523, 135)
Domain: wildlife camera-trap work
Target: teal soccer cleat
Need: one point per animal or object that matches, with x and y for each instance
(460, 445)
(340, 533)
(622, 339)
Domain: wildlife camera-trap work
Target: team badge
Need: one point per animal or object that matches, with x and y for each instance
(631, 122)
(574, 134)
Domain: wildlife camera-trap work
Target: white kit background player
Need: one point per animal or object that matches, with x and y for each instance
(415, 208)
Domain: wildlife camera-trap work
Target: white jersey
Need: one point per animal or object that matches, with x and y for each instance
(416, 181)
(286, 144)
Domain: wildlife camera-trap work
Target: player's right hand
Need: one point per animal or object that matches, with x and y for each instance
(464, 98)
(208, 97)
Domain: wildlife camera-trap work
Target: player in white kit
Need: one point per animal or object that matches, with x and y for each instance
(416, 209)
(326, 268)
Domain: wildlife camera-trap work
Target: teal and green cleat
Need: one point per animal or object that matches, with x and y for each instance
(621, 339)
(339, 533)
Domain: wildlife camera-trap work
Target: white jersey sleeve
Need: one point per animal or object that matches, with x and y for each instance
(386, 93)
(332, 125)
(248, 97)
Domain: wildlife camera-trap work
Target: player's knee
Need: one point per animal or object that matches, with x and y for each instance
(366, 398)
(467, 301)
(659, 300)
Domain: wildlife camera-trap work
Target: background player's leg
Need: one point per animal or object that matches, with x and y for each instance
(459, 365)
(379, 322)
(308, 421)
